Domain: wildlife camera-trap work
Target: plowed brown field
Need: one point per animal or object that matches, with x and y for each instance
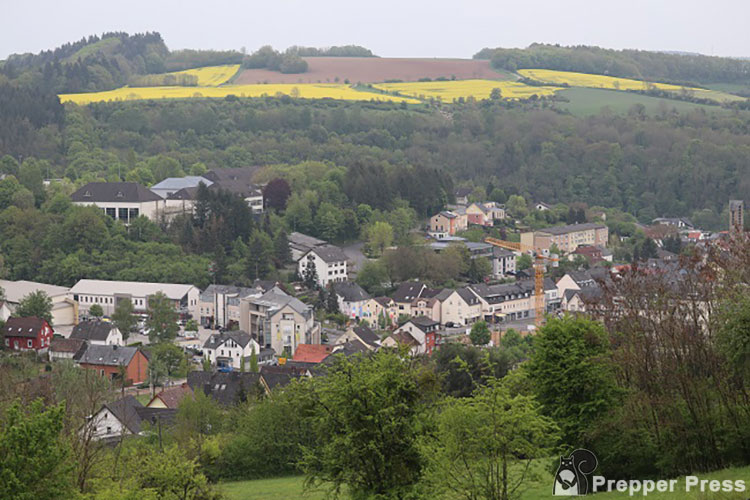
(374, 70)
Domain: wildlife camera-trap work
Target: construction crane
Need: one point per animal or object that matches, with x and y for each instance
(539, 262)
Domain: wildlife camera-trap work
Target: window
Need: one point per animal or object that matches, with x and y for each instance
(133, 213)
(111, 212)
(109, 430)
(28, 343)
(122, 214)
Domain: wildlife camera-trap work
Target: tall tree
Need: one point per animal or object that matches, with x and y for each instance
(480, 333)
(276, 193)
(282, 251)
(36, 304)
(96, 311)
(124, 318)
(162, 319)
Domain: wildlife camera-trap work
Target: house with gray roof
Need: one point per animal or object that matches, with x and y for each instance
(127, 417)
(300, 244)
(172, 185)
(123, 201)
(360, 333)
(351, 298)
(329, 263)
(97, 333)
(227, 349)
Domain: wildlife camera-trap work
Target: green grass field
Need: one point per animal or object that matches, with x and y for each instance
(586, 102)
(292, 488)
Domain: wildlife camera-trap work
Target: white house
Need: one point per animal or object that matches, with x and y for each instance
(123, 201)
(329, 262)
(125, 417)
(97, 333)
(351, 298)
(108, 293)
(227, 349)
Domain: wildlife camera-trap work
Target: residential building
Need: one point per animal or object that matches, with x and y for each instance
(279, 321)
(312, 353)
(227, 349)
(427, 305)
(123, 201)
(238, 181)
(459, 307)
(351, 298)
(110, 360)
(462, 195)
(485, 214)
(423, 330)
(678, 222)
(301, 244)
(63, 307)
(592, 253)
(219, 305)
(61, 348)
(27, 334)
(503, 263)
(566, 238)
(405, 295)
(329, 262)
(445, 223)
(380, 310)
(736, 215)
(172, 185)
(514, 301)
(227, 389)
(109, 293)
(97, 333)
(171, 396)
(403, 338)
(127, 417)
(360, 333)
(581, 300)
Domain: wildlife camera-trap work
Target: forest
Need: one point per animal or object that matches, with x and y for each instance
(637, 64)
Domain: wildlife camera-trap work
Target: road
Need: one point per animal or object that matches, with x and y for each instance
(355, 256)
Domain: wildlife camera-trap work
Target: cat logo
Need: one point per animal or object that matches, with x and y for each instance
(571, 477)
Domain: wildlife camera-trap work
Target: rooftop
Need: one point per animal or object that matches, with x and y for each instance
(16, 290)
(92, 330)
(350, 291)
(330, 253)
(312, 353)
(572, 228)
(173, 291)
(120, 192)
(107, 355)
(23, 327)
(177, 183)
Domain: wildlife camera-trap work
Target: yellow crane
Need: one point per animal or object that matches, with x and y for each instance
(539, 261)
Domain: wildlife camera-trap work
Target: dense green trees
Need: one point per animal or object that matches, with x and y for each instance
(36, 304)
(162, 318)
(124, 318)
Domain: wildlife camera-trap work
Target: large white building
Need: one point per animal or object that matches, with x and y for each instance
(123, 201)
(329, 262)
(108, 293)
(229, 348)
(63, 307)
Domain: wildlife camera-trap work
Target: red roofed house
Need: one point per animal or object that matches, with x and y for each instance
(170, 397)
(312, 353)
(27, 334)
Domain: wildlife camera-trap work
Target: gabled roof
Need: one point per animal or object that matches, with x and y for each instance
(125, 411)
(468, 296)
(461, 192)
(383, 301)
(177, 183)
(404, 337)
(366, 335)
(209, 294)
(17, 290)
(312, 353)
(424, 323)
(190, 193)
(107, 355)
(303, 241)
(92, 330)
(276, 300)
(447, 214)
(66, 345)
(226, 388)
(23, 327)
(217, 339)
(330, 253)
(408, 291)
(172, 396)
(350, 291)
(349, 348)
(122, 192)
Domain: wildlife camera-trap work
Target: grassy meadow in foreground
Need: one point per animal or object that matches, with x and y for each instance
(302, 90)
(292, 487)
(447, 91)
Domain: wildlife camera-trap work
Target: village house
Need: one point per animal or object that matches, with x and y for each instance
(405, 295)
(108, 293)
(97, 333)
(485, 214)
(566, 238)
(459, 307)
(219, 305)
(63, 307)
(279, 321)
(514, 301)
(592, 253)
(300, 244)
(123, 201)
(422, 329)
(61, 348)
(27, 334)
(503, 263)
(227, 388)
(462, 195)
(312, 353)
(361, 333)
(329, 262)
(380, 312)
(171, 396)
(445, 223)
(109, 360)
(428, 306)
(127, 417)
(227, 349)
(351, 298)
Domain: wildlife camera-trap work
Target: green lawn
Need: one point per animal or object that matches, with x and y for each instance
(292, 488)
(585, 102)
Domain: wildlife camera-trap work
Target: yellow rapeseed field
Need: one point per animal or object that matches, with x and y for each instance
(211, 76)
(478, 89)
(614, 83)
(302, 90)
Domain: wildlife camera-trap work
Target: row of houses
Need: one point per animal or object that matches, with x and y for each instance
(126, 201)
(447, 223)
